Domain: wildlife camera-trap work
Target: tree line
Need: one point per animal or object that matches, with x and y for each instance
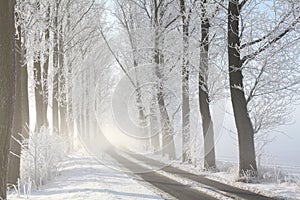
(64, 52)
(240, 47)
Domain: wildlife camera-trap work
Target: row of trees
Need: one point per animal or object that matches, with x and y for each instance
(43, 45)
(194, 41)
(194, 53)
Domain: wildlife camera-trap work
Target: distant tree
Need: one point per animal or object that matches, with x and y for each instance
(55, 93)
(155, 16)
(38, 92)
(38, 81)
(160, 23)
(45, 85)
(185, 16)
(7, 89)
(62, 84)
(35, 46)
(129, 21)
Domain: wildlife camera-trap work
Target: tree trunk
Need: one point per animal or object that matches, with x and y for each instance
(69, 108)
(141, 111)
(87, 127)
(25, 99)
(80, 114)
(86, 106)
(168, 146)
(15, 147)
(63, 121)
(154, 125)
(45, 73)
(38, 94)
(140, 106)
(186, 157)
(81, 125)
(38, 86)
(69, 95)
(247, 162)
(7, 89)
(56, 69)
(62, 84)
(207, 124)
(71, 132)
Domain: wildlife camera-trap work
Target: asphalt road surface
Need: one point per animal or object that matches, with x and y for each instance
(233, 192)
(176, 189)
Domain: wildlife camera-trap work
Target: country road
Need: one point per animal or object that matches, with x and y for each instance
(167, 185)
(176, 189)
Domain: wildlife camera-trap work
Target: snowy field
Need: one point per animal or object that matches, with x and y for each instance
(84, 178)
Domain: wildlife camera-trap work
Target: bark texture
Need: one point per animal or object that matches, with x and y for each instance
(38, 85)
(62, 85)
(247, 161)
(24, 90)
(55, 68)
(15, 148)
(154, 125)
(38, 94)
(207, 124)
(186, 157)
(7, 86)
(45, 73)
(168, 146)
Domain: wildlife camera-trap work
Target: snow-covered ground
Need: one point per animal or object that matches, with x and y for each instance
(273, 182)
(289, 190)
(82, 177)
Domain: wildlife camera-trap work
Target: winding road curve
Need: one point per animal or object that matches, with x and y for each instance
(176, 189)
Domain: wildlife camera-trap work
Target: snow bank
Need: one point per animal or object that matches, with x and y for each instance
(83, 177)
(40, 157)
(272, 181)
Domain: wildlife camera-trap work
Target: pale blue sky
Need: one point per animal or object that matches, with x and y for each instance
(285, 149)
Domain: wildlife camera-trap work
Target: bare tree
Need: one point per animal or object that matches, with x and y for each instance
(242, 120)
(241, 55)
(131, 24)
(185, 15)
(155, 15)
(158, 11)
(207, 123)
(45, 85)
(38, 73)
(55, 109)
